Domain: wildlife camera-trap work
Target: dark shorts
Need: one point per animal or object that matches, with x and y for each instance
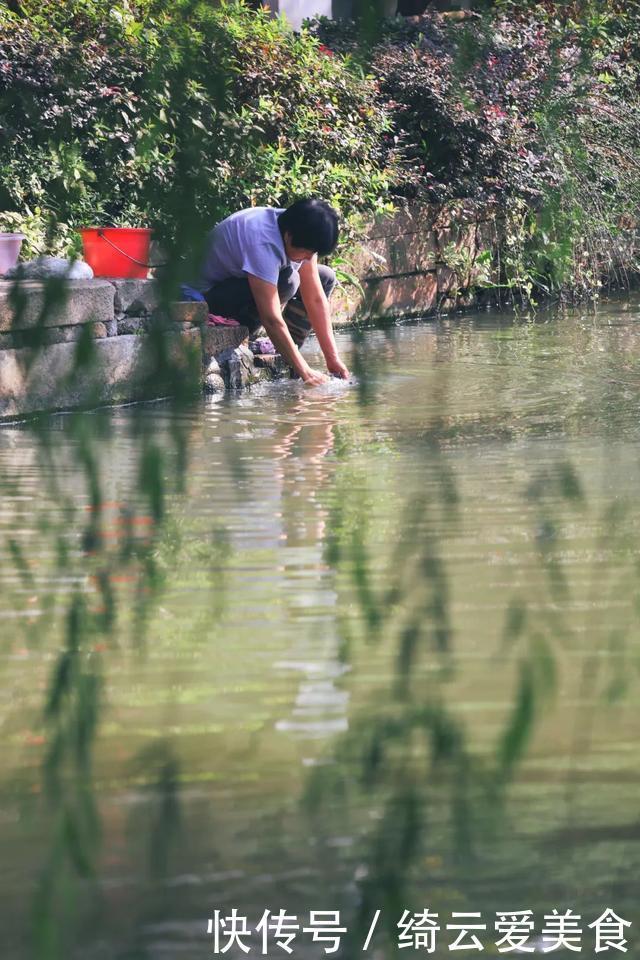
(233, 298)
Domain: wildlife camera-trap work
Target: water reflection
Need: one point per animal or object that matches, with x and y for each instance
(377, 653)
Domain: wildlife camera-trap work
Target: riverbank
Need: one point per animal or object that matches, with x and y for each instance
(419, 262)
(112, 341)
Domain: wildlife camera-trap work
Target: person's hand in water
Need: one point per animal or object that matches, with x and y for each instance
(336, 368)
(314, 378)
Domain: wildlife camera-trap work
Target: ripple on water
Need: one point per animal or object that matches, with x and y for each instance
(443, 463)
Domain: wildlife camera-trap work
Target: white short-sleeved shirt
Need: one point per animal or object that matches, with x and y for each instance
(247, 242)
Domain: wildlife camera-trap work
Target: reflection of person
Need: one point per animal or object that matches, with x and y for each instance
(261, 268)
(300, 449)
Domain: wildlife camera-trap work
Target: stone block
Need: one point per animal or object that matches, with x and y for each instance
(237, 366)
(135, 298)
(56, 303)
(44, 337)
(9, 341)
(456, 213)
(391, 255)
(38, 337)
(415, 295)
(131, 325)
(48, 380)
(215, 340)
(186, 357)
(383, 225)
(212, 367)
(187, 311)
(460, 237)
(123, 369)
(490, 233)
(416, 252)
(112, 327)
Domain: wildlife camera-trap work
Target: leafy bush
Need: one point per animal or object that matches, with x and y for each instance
(534, 109)
(134, 116)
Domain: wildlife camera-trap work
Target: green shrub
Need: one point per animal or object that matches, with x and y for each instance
(533, 106)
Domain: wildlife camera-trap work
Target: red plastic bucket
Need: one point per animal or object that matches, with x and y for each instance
(121, 252)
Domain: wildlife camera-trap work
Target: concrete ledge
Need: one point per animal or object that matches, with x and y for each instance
(58, 303)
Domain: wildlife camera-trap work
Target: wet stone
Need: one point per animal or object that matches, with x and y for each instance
(273, 364)
(212, 367)
(237, 366)
(213, 383)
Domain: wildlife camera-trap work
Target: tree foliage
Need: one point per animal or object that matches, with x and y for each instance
(121, 115)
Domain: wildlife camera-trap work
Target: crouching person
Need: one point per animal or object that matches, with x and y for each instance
(261, 268)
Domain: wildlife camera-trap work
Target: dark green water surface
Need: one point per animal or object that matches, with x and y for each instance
(391, 662)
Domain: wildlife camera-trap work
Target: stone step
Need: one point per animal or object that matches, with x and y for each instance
(215, 340)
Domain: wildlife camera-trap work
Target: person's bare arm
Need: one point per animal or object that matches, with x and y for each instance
(319, 313)
(270, 312)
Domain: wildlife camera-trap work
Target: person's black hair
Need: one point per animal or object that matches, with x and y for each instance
(313, 225)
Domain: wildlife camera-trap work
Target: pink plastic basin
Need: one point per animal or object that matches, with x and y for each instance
(10, 244)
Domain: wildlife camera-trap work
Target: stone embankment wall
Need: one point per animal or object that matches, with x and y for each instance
(427, 260)
(417, 263)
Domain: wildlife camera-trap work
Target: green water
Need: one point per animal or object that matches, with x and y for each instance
(389, 660)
